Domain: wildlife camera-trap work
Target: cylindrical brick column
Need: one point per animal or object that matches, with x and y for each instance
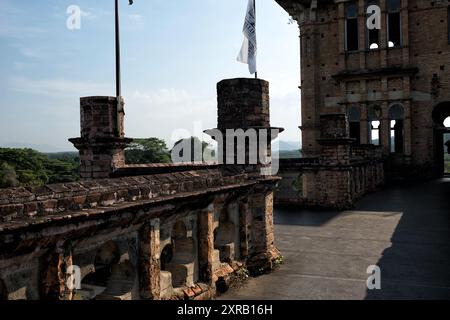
(102, 141)
(243, 131)
(243, 103)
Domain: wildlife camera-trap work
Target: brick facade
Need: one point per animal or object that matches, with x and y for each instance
(412, 73)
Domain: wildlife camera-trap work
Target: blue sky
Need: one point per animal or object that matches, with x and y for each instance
(173, 54)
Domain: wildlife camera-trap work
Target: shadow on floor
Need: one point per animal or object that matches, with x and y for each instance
(417, 265)
(306, 217)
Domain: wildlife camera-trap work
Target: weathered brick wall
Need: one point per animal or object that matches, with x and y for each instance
(17, 203)
(243, 103)
(175, 232)
(414, 74)
(102, 140)
(342, 174)
(243, 124)
(45, 231)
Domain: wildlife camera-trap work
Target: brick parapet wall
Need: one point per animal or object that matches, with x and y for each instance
(19, 203)
(331, 184)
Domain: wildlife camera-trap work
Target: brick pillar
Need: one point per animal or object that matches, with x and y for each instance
(405, 32)
(149, 261)
(364, 125)
(206, 245)
(385, 129)
(407, 129)
(244, 225)
(362, 33)
(243, 111)
(382, 34)
(335, 139)
(54, 274)
(102, 140)
(334, 181)
(262, 251)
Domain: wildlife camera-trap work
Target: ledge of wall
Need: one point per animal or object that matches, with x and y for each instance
(22, 203)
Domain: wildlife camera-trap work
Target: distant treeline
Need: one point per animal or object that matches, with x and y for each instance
(289, 154)
(27, 167)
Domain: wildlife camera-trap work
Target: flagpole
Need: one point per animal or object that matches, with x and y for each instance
(254, 7)
(118, 80)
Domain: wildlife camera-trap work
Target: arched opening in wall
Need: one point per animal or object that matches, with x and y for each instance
(111, 278)
(374, 116)
(354, 118)
(166, 256)
(394, 24)
(178, 258)
(441, 120)
(224, 238)
(396, 121)
(351, 27)
(165, 279)
(372, 33)
(3, 291)
(447, 146)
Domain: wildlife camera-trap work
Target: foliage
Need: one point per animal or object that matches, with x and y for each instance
(150, 150)
(183, 144)
(64, 169)
(289, 154)
(27, 167)
(8, 176)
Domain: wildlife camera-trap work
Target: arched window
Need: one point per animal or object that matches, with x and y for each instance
(178, 257)
(374, 124)
(396, 120)
(351, 27)
(224, 237)
(111, 278)
(394, 23)
(372, 35)
(354, 119)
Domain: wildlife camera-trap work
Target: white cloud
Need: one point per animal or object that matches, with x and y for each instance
(134, 22)
(57, 87)
(161, 112)
(20, 32)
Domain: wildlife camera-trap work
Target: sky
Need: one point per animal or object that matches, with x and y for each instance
(173, 54)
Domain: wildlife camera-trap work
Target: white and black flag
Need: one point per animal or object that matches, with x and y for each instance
(249, 47)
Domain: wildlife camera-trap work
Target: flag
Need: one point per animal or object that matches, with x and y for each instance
(249, 47)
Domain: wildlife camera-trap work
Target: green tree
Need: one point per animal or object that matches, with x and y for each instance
(8, 176)
(28, 164)
(33, 168)
(190, 144)
(61, 171)
(150, 150)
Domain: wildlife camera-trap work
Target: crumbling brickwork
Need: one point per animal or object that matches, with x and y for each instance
(102, 140)
(243, 132)
(157, 231)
